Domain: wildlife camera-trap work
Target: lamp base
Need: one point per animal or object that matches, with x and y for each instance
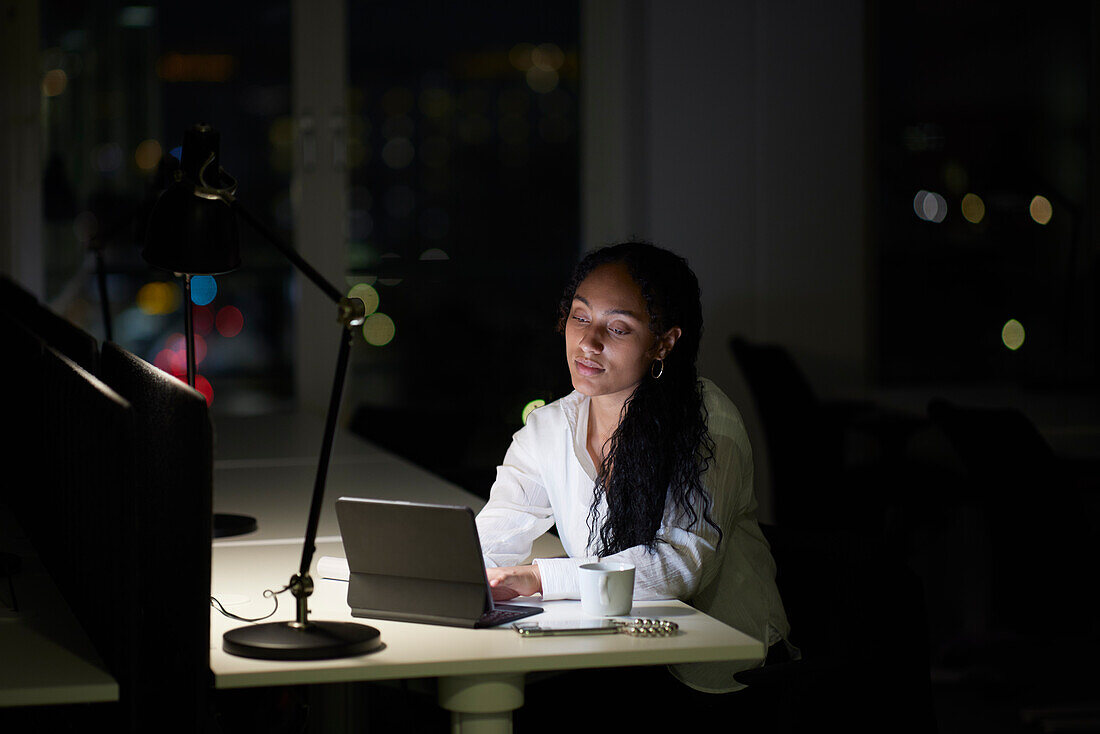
(226, 526)
(314, 641)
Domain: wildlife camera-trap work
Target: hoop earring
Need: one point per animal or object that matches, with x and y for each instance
(660, 363)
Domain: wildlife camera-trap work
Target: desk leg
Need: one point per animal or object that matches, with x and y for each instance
(481, 704)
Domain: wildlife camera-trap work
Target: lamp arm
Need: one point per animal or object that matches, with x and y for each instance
(351, 314)
(338, 380)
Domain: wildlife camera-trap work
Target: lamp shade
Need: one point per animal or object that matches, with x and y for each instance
(191, 231)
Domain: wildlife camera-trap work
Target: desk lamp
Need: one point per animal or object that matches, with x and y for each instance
(193, 230)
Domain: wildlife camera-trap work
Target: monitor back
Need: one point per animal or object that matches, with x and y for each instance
(413, 562)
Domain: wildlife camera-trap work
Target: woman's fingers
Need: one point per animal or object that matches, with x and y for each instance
(510, 582)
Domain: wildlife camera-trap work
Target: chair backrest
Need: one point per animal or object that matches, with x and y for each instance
(119, 511)
(802, 452)
(1035, 523)
(1000, 446)
(170, 506)
(78, 516)
(55, 330)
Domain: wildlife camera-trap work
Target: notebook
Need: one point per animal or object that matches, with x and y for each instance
(416, 562)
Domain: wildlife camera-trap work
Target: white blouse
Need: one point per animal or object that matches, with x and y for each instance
(548, 478)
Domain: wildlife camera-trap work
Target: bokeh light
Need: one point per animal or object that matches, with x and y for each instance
(107, 158)
(367, 294)
(158, 298)
(137, 16)
(436, 102)
(1041, 209)
(520, 56)
(379, 329)
(54, 82)
(973, 208)
(547, 56)
(202, 317)
(434, 253)
(537, 403)
(148, 154)
(177, 343)
(542, 80)
(203, 289)
(177, 67)
(930, 206)
(171, 361)
(398, 153)
(1012, 334)
(229, 321)
(203, 386)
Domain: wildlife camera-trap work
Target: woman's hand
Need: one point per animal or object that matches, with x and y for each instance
(512, 581)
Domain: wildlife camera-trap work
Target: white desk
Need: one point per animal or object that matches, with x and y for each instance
(480, 672)
(46, 657)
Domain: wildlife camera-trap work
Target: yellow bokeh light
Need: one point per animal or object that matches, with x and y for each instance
(158, 298)
(973, 208)
(547, 57)
(367, 294)
(54, 82)
(537, 403)
(379, 329)
(1041, 209)
(436, 102)
(542, 80)
(148, 154)
(1012, 334)
(520, 56)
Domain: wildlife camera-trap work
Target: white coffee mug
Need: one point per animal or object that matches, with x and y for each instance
(607, 589)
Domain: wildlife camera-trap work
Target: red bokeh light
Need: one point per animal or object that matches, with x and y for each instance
(204, 387)
(178, 344)
(230, 321)
(203, 319)
(171, 361)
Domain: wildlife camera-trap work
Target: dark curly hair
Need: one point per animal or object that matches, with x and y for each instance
(662, 446)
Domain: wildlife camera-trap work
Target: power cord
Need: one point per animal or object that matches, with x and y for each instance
(268, 593)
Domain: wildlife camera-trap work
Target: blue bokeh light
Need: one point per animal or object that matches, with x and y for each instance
(203, 289)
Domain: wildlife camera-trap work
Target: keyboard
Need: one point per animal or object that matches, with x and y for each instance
(502, 613)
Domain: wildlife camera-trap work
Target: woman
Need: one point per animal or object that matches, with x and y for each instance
(643, 463)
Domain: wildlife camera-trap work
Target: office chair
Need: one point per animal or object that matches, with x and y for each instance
(55, 330)
(857, 615)
(168, 537)
(1032, 510)
(840, 460)
(77, 511)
